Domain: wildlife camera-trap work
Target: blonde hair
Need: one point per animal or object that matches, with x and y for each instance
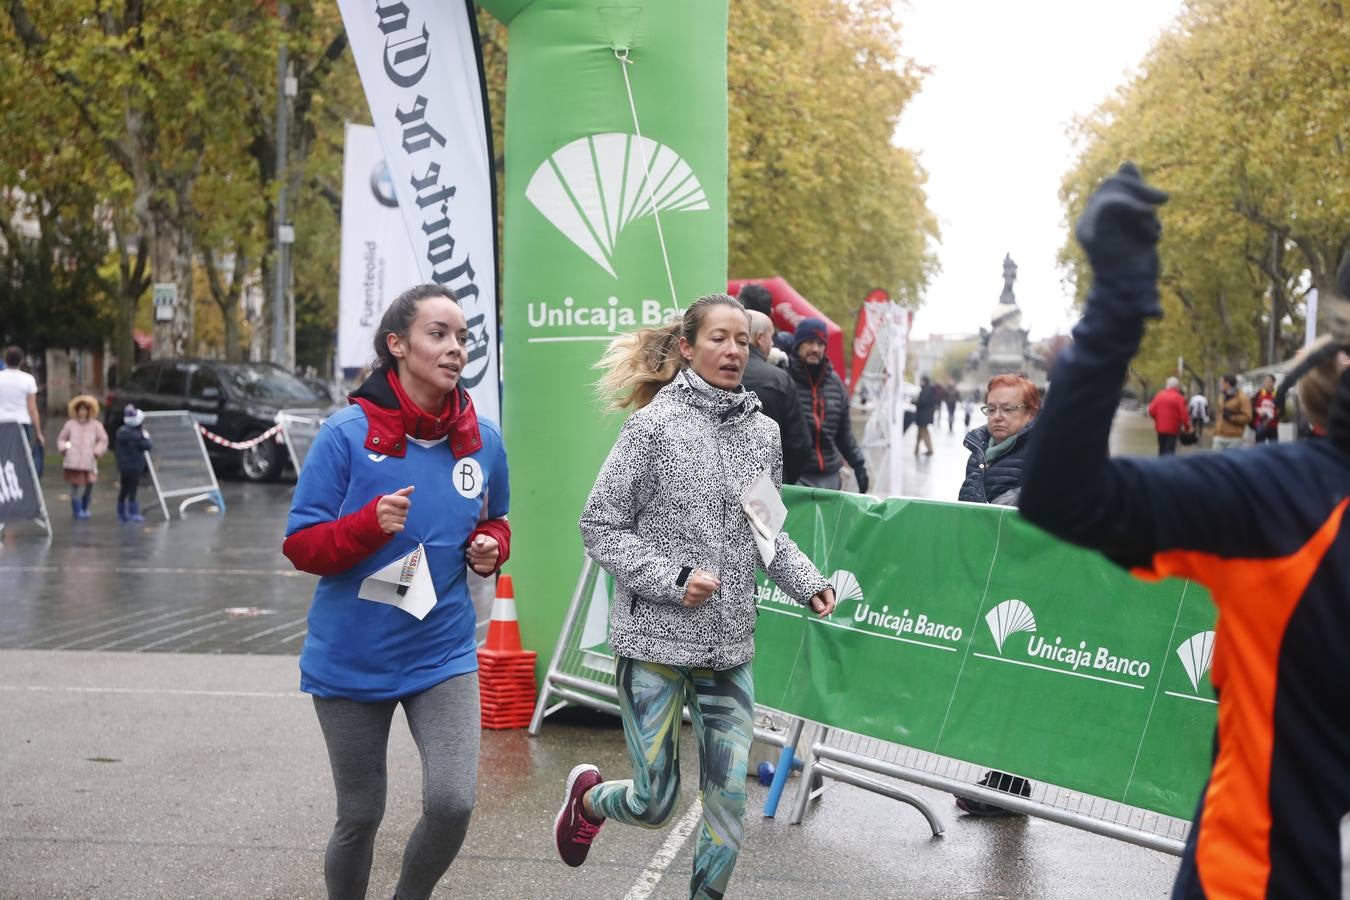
(639, 364)
(1317, 385)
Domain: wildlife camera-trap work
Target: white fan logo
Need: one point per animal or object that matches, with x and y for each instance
(1197, 654)
(1009, 618)
(594, 187)
(846, 586)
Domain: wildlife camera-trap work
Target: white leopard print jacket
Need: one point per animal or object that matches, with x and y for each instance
(668, 499)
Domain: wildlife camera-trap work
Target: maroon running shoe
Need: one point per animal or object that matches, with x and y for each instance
(573, 830)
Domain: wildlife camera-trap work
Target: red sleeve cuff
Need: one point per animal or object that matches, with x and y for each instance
(500, 531)
(330, 548)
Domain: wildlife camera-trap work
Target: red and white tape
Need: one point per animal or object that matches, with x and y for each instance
(240, 445)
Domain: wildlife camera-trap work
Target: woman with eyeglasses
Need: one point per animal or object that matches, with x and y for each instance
(994, 475)
(998, 448)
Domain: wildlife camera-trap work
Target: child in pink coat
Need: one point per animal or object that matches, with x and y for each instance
(82, 441)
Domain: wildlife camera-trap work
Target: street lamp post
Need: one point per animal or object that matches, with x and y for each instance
(285, 234)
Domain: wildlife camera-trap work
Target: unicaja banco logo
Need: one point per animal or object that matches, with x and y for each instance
(595, 187)
(878, 618)
(846, 586)
(1197, 654)
(1009, 618)
(1014, 617)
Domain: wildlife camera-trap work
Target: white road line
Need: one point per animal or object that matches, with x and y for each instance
(294, 695)
(656, 869)
(151, 570)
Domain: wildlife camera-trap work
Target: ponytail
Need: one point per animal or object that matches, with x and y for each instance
(639, 364)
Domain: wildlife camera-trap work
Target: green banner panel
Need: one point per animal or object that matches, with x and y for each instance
(964, 631)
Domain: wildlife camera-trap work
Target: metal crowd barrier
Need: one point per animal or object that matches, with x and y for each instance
(838, 755)
(179, 464)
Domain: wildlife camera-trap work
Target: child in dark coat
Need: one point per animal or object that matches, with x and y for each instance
(131, 444)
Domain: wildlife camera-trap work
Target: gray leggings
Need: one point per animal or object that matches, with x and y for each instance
(444, 721)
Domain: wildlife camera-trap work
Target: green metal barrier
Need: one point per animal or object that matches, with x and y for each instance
(964, 631)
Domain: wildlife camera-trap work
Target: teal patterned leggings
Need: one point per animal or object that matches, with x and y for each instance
(721, 704)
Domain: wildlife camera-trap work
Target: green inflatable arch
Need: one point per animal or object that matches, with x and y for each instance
(615, 216)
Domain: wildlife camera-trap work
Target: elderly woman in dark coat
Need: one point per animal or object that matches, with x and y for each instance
(994, 475)
(998, 448)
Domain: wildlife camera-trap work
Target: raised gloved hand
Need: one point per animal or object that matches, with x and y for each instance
(1119, 232)
(860, 475)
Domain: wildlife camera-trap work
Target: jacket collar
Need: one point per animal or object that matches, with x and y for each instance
(977, 439)
(725, 406)
(386, 430)
(810, 375)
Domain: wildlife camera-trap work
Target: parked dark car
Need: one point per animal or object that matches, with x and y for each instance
(236, 401)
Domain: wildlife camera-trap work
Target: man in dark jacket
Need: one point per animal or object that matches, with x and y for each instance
(925, 407)
(756, 298)
(824, 404)
(778, 396)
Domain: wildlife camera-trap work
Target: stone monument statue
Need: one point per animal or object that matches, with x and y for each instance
(1006, 315)
(1004, 346)
(1009, 276)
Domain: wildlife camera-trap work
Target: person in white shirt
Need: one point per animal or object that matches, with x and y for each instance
(1199, 412)
(18, 402)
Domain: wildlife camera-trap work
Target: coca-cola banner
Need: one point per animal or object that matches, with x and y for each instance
(870, 316)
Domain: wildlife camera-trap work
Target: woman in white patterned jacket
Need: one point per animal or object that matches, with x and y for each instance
(665, 518)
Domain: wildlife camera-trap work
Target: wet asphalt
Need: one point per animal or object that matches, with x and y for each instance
(153, 744)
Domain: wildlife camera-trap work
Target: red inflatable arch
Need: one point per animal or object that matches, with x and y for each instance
(790, 307)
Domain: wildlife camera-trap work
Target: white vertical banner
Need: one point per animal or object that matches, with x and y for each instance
(419, 66)
(900, 320)
(377, 258)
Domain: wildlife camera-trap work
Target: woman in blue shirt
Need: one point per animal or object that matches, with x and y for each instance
(400, 493)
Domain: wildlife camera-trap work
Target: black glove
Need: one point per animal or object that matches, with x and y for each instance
(1119, 231)
(860, 475)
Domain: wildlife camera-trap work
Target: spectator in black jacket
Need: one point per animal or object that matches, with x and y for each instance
(925, 408)
(998, 449)
(778, 396)
(998, 453)
(824, 403)
(756, 298)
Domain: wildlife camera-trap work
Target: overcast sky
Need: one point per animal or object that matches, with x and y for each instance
(990, 128)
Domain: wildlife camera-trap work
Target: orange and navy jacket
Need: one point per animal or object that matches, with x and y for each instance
(1266, 530)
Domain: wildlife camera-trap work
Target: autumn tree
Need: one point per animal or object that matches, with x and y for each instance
(818, 192)
(160, 118)
(1240, 111)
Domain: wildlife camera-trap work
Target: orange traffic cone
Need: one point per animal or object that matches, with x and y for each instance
(505, 671)
(504, 630)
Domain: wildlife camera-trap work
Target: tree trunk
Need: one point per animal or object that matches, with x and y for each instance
(126, 292)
